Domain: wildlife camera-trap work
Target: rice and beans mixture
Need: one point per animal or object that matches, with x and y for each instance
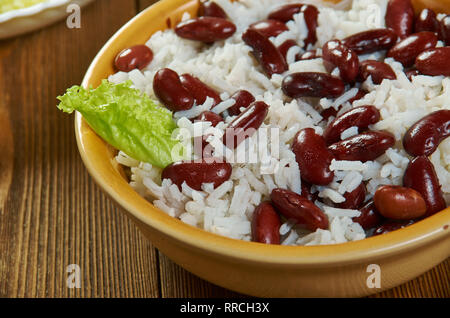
(346, 109)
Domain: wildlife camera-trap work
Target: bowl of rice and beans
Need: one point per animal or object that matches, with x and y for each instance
(314, 139)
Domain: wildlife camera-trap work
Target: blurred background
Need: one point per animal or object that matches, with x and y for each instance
(52, 214)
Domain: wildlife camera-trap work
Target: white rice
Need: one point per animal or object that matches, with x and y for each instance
(346, 97)
(227, 67)
(349, 132)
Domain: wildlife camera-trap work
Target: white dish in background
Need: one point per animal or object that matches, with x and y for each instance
(16, 22)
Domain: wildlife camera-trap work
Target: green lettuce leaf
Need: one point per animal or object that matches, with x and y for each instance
(127, 119)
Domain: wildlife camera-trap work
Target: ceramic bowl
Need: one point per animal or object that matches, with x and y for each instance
(17, 22)
(340, 270)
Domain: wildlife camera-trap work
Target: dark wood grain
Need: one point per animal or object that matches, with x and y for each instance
(143, 4)
(51, 212)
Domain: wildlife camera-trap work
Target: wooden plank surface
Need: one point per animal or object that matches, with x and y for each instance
(51, 212)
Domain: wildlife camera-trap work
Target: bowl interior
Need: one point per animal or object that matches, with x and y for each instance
(98, 157)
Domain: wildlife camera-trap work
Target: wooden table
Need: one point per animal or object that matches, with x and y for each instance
(51, 212)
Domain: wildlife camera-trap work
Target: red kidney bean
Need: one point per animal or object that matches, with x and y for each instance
(313, 157)
(310, 12)
(306, 192)
(265, 52)
(329, 112)
(246, 124)
(444, 30)
(202, 148)
(425, 135)
(371, 41)
(434, 62)
(199, 90)
(211, 9)
(426, 21)
(284, 48)
(195, 173)
(378, 70)
(364, 147)
(243, 99)
(399, 203)
(390, 226)
(354, 199)
(205, 29)
(370, 217)
(412, 72)
(168, 88)
(138, 56)
(266, 224)
(301, 210)
(400, 17)
(310, 84)
(409, 48)
(360, 117)
(361, 93)
(332, 112)
(286, 12)
(335, 54)
(269, 27)
(213, 118)
(309, 55)
(421, 176)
